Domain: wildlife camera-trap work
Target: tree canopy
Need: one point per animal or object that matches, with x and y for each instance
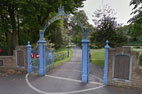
(136, 21)
(21, 20)
(107, 28)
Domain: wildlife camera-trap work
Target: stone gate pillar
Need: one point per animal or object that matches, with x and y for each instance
(85, 57)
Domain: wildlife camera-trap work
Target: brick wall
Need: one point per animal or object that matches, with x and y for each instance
(136, 74)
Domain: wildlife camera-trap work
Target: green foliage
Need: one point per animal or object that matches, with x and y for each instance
(63, 60)
(136, 21)
(116, 37)
(54, 34)
(60, 55)
(140, 59)
(21, 20)
(98, 57)
(136, 26)
(77, 31)
(139, 50)
(107, 29)
(81, 16)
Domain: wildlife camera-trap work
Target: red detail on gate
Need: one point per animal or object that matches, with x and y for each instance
(37, 55)
(0, 50)
(90, 56)
(32, 55)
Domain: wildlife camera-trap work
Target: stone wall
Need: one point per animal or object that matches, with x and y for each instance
(136, 71)
(10, 63)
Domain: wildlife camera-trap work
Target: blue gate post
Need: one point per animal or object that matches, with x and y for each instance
(88, 69)
(29, 57)
(44, 60)
(106, 63)
(85, 58)
(41, 53)
(53, 58)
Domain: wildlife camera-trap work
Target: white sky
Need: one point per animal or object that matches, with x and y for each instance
(121, 7)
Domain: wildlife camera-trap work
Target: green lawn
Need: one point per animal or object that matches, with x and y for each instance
(57, 63)
(98, 57)
(138, 50)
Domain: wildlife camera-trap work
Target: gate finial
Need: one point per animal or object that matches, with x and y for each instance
(28, 42)
(107, 42)
(61, 10)
(107, 46)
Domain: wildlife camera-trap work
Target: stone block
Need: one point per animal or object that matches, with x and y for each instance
(11, 71)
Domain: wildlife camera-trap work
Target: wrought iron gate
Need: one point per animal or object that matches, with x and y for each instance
(35, 60)
(43, 56)
(49, 53)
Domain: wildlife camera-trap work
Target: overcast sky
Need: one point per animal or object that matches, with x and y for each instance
(121, 7)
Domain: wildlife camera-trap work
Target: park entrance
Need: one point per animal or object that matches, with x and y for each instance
(43, 54)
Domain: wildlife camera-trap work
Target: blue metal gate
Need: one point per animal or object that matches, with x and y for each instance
(49, 53)
(43, 54)
(35, 60)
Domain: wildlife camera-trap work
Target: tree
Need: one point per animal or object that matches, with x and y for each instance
(21, 20)
(8, 11)
(136, 21)
(107, 29)
(77, 31)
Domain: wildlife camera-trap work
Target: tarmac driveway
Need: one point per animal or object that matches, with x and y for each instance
(65, 79)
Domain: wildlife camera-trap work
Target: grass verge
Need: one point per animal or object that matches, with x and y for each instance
(57, 63)
(138, 50)
(98, 57)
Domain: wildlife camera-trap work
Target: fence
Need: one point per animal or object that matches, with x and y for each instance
(49, 53)
(43, 62)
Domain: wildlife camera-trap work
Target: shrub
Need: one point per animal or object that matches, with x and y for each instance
(137, 47)
(116, 38)
(140, 59)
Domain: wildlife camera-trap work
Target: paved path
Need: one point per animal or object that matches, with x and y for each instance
(65, 79)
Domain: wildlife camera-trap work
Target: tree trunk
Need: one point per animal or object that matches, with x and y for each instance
(18, 29)
(15, 33)
(8, 40)
(13, 23)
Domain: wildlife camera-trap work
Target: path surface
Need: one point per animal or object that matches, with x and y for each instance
(65, 79)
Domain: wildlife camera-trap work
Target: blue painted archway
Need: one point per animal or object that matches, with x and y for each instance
(85, 48)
